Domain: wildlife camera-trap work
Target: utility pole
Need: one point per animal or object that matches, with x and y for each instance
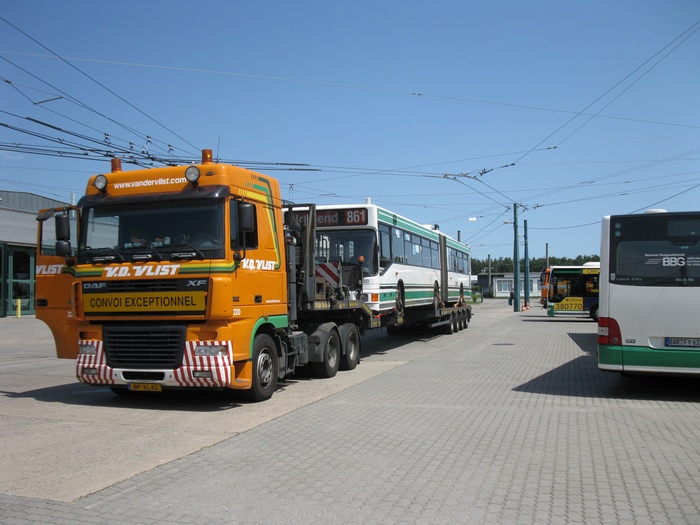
(516, 261)
(490, 279)
(527, 268)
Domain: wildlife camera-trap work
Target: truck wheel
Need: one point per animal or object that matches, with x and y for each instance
(265, 369)
(330, 342)
(350, 336)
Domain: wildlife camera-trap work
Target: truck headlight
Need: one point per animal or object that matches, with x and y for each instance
(87, 349)
(211, 350)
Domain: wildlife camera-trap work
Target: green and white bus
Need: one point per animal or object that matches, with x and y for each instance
(404, 265)
(650, 293)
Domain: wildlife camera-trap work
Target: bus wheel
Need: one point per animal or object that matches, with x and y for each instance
(400, 299)
(350, 336)
(393, 329)
(264, 369)
(330, 342)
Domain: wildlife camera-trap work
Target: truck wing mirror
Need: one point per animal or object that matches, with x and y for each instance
(246, 225)
(246, 217)
(62, 227)
(63, 246)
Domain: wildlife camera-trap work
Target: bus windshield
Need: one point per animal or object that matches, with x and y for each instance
(355, 246)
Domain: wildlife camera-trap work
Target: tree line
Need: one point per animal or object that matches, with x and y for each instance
(505, 264)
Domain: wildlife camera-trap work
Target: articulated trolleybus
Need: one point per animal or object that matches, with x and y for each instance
(650, 292)
(404, 268)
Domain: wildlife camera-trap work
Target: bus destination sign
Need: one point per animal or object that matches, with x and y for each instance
(344, 217)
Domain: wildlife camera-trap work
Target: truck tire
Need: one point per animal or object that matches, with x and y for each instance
(350, 336)
(330, 343)
(265, 369)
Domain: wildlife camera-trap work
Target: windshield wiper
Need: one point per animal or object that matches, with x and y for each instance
(137, 256)
(185, 254)
(93, 253)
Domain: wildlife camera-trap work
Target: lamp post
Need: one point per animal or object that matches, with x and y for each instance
(527, 268)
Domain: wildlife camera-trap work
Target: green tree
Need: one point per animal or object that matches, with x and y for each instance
(505, 264)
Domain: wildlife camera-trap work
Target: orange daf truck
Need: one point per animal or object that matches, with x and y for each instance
(193, 277)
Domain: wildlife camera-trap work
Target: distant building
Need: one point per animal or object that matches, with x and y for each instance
(18, 233)
(502, 283)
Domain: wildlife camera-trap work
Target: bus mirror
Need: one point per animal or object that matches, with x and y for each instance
(246, 217)
(62, 227)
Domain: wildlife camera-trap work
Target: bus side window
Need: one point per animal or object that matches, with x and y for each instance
(384, 246)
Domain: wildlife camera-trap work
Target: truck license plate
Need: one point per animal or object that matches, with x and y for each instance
(145, 387)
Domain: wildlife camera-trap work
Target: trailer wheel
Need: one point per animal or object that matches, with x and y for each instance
(264, 369)
(455, 323)
(449, 328)
(330, 342)
(350, 336)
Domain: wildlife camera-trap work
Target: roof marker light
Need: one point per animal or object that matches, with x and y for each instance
(192, 174)
(100, 183)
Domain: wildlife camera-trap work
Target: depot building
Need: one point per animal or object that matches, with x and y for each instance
(18, 235)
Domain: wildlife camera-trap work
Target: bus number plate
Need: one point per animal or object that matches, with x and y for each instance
(690, 342)
(145, 387)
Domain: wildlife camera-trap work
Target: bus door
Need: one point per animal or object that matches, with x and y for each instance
(55, 278)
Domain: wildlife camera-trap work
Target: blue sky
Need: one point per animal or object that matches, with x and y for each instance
(446, 112)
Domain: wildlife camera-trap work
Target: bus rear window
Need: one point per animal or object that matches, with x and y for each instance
(655, 253)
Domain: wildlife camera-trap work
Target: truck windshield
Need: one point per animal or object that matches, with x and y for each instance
(166, 230)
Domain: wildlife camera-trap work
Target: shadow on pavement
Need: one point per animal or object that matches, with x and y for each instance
(582, 378)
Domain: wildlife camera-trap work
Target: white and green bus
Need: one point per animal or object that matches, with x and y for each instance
(401, 264)
(650, 293)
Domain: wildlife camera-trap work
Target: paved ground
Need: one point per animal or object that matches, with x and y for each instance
(507, 422)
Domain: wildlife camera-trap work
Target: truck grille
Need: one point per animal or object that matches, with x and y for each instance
(144, 347)
(148, 285)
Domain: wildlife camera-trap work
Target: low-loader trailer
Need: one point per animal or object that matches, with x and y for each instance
(198, 276)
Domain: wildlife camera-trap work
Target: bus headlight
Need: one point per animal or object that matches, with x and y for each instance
(211, 350)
